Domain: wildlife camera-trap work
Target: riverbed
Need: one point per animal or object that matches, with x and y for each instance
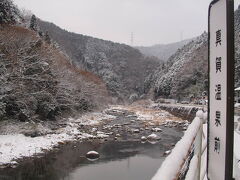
(123, 155)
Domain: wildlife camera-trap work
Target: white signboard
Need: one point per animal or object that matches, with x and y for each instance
(218, 91)
(219, 167)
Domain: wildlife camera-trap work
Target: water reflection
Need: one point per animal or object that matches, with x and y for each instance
(139, 167)
(126, 160)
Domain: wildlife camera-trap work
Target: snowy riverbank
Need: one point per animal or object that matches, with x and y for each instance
(16, 146)
(135, 120)
(185, 111)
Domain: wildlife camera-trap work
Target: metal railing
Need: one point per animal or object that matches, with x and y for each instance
(188, 154)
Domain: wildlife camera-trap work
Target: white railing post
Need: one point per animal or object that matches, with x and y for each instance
(198, 148)
(238, 126)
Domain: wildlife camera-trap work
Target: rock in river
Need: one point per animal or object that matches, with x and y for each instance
(136, 130)
(153, 137)
(92, 155)
(167, 152)
(118, 135)
(156, 130)
(143, 138)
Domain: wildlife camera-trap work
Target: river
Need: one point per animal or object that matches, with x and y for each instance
(122, 158)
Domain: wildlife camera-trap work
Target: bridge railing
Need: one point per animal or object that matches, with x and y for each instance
(236, 156)
(188, 156)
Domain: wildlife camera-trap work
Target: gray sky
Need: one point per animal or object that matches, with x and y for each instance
(151, 21)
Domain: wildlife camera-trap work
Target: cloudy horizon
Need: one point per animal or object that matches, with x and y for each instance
(150, 21)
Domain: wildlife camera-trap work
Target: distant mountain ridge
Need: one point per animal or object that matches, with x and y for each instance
(163, 51)
(121, 67)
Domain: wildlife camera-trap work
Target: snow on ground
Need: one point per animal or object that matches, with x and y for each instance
(16, 146)
(187, 106)
(92, 118)
(148, 113)
(144, 116)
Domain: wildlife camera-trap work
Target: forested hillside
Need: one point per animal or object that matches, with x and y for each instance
(185, 73)
(37, 81)
(121, 67)
(96, 65)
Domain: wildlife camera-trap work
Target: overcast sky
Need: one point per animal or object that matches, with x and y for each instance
(151, 21)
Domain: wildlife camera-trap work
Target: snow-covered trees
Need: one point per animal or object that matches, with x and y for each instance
(47, 38)
(186, 69)
(8, 12)
(38, 82)
(33, 23)
(121, 67)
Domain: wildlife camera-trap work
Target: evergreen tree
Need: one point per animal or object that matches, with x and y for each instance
(40, 33)
(47, 38)
(33, 23)
(163, 66)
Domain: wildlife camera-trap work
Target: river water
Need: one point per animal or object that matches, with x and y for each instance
(124, 159)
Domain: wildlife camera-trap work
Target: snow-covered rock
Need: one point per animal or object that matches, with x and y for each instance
(153, 137)
(143, 138)
(167, 152)
(92, 155)
(136, 131)
(156, 129)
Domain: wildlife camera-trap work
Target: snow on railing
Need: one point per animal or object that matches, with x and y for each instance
(186, 155)
(191, 175)
(236, 157)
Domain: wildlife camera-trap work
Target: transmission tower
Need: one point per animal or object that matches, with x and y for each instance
(181, 36)
(132, 38)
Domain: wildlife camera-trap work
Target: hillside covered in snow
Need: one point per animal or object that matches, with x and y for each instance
(37, 82)
(185, 72)
(121, 67)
